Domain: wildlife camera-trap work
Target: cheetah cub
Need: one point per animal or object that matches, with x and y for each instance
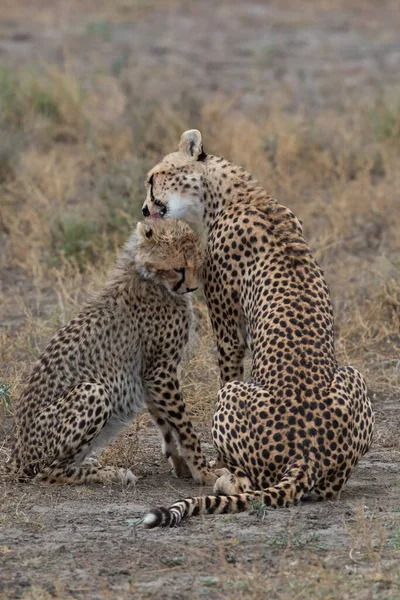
(119, 355)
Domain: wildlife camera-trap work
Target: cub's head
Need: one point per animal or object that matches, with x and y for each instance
(169, 252)
(175, 185)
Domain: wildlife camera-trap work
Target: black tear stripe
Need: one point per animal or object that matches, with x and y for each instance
(182, 280)
(151, 181)
(154, 199)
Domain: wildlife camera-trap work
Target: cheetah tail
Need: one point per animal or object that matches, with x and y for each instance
(200, 505)
(295, 484)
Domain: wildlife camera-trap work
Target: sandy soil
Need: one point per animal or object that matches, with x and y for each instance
(80, 542)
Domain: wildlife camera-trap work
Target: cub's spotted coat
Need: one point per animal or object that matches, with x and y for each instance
(302, 422)
(118, 356)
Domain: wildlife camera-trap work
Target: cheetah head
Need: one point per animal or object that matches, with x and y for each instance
(169, 252)
(175, 185)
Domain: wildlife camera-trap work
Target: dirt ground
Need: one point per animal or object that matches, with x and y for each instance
(81, 542)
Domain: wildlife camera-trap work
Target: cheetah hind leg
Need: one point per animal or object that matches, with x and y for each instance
(349, 396)
(71, 474)
(84, 423)
(329, 490)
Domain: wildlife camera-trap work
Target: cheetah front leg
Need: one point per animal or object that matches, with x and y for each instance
(170, 448)
(166, 401)
(231, 352)
(230, 360)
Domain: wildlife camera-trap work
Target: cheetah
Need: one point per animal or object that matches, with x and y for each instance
(302, 422)
(119, 355)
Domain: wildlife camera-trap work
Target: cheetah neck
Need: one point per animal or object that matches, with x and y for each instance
(227, 184)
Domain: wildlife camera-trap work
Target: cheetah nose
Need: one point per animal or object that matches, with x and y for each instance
(145, 211)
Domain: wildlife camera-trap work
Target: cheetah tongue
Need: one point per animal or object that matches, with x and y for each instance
(155, 216)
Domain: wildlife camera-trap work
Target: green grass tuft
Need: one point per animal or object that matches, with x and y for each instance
(75, 239)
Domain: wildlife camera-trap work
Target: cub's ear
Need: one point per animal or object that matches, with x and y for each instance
(144, 230)
(192, 144)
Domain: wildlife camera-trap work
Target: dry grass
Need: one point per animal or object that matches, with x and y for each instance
(74, 157)
(72, 186)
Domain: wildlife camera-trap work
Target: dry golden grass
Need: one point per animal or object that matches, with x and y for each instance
(71, 187)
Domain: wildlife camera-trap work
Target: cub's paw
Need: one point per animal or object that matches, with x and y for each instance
(91, 462)
(117, 475)
(180, 466)
(127, 477)
(216, 463)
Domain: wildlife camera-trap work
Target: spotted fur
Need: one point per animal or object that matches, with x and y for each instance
(119, 355)
(301, 423)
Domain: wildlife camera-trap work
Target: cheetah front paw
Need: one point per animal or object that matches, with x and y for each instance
(127, 477)
(91, 462)
(225, 484)
(207, 478)
(180, 466)
(118, 475)
(216, 463)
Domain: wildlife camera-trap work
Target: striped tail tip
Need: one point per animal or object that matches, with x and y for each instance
(152, 519)
(162, 517)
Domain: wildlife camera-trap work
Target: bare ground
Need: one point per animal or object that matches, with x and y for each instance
(80, 542)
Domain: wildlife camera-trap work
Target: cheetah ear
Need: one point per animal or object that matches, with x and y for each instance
(144, 230)
(192, 144)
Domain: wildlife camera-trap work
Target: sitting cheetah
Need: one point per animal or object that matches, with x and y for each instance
(118, 356)
(302, 422)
